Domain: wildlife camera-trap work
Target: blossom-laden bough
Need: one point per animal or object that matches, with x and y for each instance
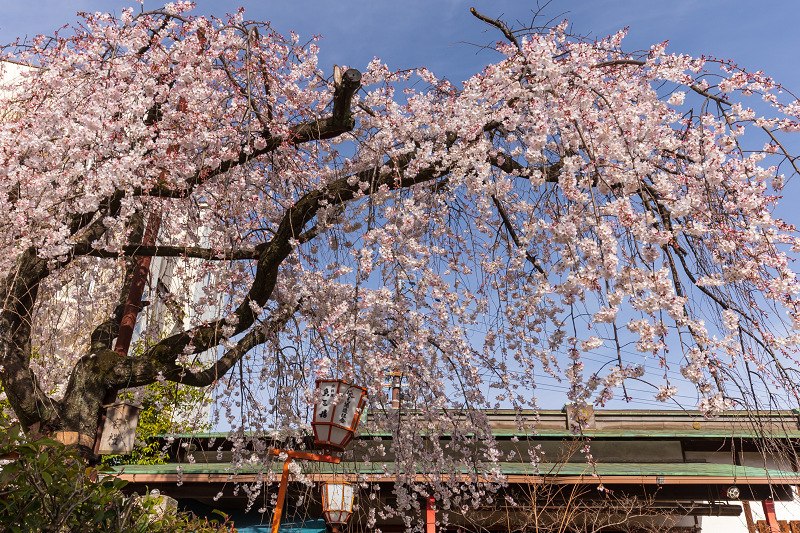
(568, 201)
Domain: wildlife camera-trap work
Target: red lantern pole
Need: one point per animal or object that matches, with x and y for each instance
(290, 454)
(334, 427)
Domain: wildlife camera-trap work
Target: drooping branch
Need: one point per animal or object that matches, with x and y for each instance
(253, 338)
(195, 252)
(391, 175)
(639, 63)
(510, 166)
(513, 234)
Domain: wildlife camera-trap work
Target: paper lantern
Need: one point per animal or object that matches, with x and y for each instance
(337, 414)
(337, 502)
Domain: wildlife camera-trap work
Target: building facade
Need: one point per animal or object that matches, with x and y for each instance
(648, 471)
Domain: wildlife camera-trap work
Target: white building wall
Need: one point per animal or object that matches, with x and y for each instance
(175, 286)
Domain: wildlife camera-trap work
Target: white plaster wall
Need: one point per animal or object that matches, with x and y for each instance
(738, 524)
(10, 73)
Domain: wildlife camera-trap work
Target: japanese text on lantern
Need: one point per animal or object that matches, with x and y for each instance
(326, 398)
(346, 406)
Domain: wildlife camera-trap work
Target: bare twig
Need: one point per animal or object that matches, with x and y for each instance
(497, 24)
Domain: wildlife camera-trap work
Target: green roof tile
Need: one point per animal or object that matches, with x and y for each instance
(554, 469)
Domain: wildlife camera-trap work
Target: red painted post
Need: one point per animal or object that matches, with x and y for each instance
(769, 514)
(276, 516)
(132, 307)
(291, 454)
(140, 277)
(430, 514)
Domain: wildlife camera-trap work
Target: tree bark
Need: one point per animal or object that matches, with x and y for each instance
(102, 370)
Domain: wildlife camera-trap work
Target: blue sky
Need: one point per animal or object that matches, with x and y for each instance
(437, 33)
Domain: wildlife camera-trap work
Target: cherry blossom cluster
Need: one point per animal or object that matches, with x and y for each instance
(572, 212)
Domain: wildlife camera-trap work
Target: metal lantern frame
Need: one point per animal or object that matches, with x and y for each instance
(337, 501)
(335, 423)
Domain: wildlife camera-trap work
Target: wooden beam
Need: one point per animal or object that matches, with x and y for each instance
(533, 480)
(748, 516)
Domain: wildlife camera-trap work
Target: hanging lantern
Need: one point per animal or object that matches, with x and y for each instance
(338, 413)
(337, 502)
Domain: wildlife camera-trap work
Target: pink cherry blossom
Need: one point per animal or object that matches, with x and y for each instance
(567, 203)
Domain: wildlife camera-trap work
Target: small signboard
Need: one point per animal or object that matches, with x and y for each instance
(119, 429)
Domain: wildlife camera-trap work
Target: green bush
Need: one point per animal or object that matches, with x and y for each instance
(164, 410)
(48, 487)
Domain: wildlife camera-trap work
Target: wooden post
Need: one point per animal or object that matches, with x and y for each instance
(430, 515)
(769, 515)
(748, 516)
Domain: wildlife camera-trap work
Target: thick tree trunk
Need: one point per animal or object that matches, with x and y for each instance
(74, 419)
(81, 408)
